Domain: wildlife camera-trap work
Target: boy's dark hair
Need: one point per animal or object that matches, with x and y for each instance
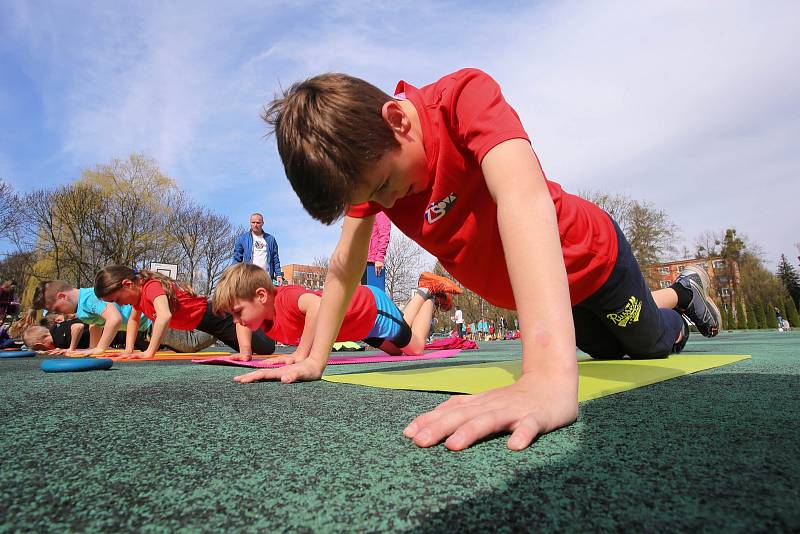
(45, 293)
(329, 129)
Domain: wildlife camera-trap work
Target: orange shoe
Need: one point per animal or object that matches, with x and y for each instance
(438, 284)
(443, 301)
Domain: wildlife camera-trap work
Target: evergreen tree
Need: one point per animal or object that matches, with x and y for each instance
(782, 307)
(724, 312)
(731, 324)
(772, 320)
(791, 280)
(752, 316)
(791, 314)
(760, 316)
(741, 318)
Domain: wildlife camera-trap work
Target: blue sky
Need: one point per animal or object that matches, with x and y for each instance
(690, 105)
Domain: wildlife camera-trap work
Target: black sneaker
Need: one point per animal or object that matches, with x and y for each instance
(701, 310)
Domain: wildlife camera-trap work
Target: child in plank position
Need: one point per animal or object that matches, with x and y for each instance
(104, 320)
(453, 168)
(169, 303)
(289, 313)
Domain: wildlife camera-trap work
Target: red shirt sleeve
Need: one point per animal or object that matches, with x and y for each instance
(481, 114)
(150, 290)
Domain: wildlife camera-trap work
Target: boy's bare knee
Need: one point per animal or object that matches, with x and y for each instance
(415, 348)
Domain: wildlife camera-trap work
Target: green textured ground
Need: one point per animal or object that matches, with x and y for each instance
(172, 446)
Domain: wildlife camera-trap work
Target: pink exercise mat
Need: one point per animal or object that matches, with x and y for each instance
(337, 360)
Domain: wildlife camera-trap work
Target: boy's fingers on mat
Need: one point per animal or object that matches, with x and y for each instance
(462, 427)
(432, 427)
(482, 424)
(254, 376)
(526, 431)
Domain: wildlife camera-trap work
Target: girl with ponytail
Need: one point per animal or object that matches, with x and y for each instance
(169, 303)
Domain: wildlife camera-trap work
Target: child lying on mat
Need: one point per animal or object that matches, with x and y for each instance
(41, 339)
(289, 313)
(171, 304)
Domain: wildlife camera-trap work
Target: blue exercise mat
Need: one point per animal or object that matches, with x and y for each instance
(16, 353)
(76, 364)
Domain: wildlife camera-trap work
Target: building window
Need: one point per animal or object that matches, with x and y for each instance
(725, 291)
(681, 268)
(665, 284)
(722, 280)
(718, 264)
(663, 270)
(701, 265)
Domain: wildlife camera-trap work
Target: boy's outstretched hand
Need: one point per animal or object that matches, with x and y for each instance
(305, 370)
(532, 406)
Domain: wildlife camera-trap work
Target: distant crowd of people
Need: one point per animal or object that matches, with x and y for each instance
(483, 329)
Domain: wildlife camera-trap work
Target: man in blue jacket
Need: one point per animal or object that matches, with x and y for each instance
(259, 248)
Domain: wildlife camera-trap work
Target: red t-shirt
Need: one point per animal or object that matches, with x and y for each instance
(186, 315)
(464, 116)
(287, 327)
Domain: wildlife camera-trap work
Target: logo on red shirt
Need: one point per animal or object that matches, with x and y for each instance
(439, 209)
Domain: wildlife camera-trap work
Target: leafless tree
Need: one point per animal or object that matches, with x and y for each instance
(42, 234)
(10, 212)
(708, 244)
(650, 233)
(402, 264)
(649, 230)
(215, 252)
(115, 214)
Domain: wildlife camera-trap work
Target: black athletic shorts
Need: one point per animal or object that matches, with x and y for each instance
(621, 318)
(223, 328)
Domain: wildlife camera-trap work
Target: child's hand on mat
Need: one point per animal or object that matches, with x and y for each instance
(306, 370)
(241, 357)
(80, 353)
(536, 404)
(137, 355)
(288, 358)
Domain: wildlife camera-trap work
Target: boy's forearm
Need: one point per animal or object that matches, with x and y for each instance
(95, 332)
(539, 283)
(344, 273)
(332, 309)
(309, 327)
(75, 332)
(528, 225)
(244, 336)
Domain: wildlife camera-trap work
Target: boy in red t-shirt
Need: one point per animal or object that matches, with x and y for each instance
(289, 313)
(169, 303)
(453, 168)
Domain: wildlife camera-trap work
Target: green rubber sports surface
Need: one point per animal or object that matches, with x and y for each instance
(175, 446)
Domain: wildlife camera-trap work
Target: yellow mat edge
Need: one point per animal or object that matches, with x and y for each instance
(732, 358)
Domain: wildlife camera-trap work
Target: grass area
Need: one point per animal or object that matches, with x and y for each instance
(172, 446)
